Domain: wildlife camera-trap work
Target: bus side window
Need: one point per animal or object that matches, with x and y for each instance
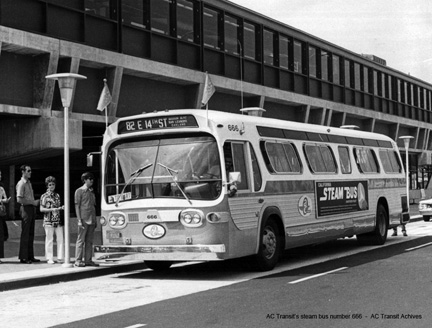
(320, 158)
(390, 161)
(235, 162)
(256, 170)
(366, 160)
(280, 157)
(344, 160)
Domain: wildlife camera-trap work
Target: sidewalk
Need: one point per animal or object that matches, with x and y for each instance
(15, 275)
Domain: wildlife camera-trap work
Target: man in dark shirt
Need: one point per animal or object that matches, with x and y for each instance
(25, 198)
(85, 208)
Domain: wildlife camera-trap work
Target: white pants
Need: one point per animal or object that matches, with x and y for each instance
(49, 241)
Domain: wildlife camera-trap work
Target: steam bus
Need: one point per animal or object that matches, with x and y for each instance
(197, 185)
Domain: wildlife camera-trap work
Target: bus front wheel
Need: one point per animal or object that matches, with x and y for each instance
(158, 265)
(270, 246)
(379, 235)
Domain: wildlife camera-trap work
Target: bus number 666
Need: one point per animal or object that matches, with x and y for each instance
(232, 127)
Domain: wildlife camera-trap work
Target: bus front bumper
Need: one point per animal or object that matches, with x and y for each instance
(159, 253)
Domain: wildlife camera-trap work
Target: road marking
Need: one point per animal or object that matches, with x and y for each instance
(424, 245)
(137, 325)
(317, 275)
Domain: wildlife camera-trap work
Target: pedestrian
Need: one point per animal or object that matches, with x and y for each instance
(28, 204)
(3, 200)
(404, 233)
(85, 208)
(50, 206)
(3, 226)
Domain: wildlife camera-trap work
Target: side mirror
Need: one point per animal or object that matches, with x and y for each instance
(234, 178)
(89, 160)
(90, 157)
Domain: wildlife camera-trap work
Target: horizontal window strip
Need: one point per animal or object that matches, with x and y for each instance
(313, 136)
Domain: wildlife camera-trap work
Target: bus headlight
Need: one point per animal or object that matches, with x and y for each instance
(117, 220)
(191, 218)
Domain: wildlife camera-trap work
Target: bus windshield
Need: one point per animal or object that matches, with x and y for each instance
(180, 167)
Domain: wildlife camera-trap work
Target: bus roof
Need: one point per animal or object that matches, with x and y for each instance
(219, 117)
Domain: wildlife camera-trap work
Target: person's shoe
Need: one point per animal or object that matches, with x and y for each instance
(34, 260)
(394, 234)
(60, 261)
(404, 234)
(91, 263)
(79, 264)
(50, 262)
(26, 261)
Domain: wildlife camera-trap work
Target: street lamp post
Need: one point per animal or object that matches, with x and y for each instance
(406, 140)
(67, 82)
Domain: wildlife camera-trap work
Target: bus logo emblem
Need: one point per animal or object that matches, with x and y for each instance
(304, 206)
(154, 231)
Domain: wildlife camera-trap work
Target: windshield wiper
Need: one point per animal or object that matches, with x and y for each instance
(175, 181)
(132, 178)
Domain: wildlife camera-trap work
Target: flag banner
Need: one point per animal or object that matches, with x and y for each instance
(209, 90)
(105, 98)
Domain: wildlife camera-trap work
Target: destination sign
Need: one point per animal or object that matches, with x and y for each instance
(157, 123)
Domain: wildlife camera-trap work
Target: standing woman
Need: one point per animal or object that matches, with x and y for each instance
(3, 200)
(50, 206)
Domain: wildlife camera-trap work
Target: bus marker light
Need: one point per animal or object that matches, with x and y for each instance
(102, 221)
(213, 217)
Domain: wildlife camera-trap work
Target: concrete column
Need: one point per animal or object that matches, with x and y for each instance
(416, 137)
(74, 68)
(323, 116)
(329, 117)
(307, 113)
(262, 101)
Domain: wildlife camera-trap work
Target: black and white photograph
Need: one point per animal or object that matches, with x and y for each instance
(215, 163)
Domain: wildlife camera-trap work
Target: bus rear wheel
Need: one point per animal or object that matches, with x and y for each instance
(379, 235)
(158, 265)
(270, 246)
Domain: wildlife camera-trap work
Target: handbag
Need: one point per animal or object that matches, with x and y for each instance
(2, 210)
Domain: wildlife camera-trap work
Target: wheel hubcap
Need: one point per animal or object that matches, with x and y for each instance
(269, 242)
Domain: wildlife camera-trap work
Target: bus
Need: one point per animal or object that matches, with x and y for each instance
(202, 185)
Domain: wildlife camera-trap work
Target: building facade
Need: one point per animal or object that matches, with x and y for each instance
(154, 55)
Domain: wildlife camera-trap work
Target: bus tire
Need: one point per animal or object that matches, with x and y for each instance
(269, 246)
(379, 235)
(158, 265)
(426, 218)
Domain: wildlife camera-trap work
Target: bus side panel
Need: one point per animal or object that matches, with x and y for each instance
(243, 238)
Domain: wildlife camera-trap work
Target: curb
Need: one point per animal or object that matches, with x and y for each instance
(77, 274)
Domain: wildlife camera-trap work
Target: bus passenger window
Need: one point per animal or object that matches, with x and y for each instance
(320, 158)
(390, 161)
(235, 162)
(344, 160)
(256, 171)
(366, 160)
(280, 157)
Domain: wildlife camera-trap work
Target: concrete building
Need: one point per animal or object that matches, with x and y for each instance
(154, 55)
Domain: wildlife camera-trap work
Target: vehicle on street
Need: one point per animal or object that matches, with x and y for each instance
(197, 185)
(425, 209)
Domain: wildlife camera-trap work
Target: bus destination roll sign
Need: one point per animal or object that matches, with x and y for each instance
(155, 123)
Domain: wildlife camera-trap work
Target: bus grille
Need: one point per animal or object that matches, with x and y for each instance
(133, 217)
